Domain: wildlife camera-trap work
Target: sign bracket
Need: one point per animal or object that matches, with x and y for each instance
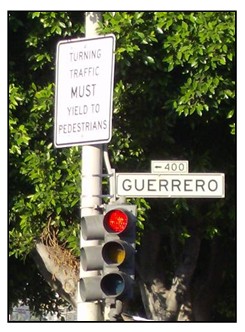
(111, 173)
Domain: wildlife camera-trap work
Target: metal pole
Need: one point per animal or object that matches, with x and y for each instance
(91, 193)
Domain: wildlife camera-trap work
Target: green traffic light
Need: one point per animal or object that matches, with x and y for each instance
(112, 284)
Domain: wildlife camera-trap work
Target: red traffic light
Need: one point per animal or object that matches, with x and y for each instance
(116, 221)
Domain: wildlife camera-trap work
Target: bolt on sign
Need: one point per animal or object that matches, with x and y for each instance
(84, 91)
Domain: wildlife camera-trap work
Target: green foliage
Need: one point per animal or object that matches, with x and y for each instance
(18, 133)
(48, 185)
(174, 98)
(198, 48)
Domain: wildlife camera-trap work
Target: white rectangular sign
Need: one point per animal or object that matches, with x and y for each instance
(191, 185)
(84, 91)
(169, 166)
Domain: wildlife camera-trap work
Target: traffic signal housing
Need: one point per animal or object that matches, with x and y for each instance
(118, 252)
(113, 258)
(91, 257)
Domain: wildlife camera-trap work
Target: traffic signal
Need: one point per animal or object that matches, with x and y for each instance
(91, 258)
(118, 252)
(113, 257)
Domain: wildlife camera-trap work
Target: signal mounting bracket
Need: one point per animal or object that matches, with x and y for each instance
(113, 309)
(111, 173)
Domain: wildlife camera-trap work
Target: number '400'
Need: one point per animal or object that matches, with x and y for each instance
(175, 167)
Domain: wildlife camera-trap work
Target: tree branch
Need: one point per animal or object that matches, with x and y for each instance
(61, 277)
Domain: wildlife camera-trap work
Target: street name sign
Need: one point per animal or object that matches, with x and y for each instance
(191, 185)
(84, 91)
(169, 166)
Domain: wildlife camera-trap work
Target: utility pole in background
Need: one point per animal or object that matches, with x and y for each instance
(91, 193)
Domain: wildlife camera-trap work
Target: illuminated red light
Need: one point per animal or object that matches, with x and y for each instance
(116, 221)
